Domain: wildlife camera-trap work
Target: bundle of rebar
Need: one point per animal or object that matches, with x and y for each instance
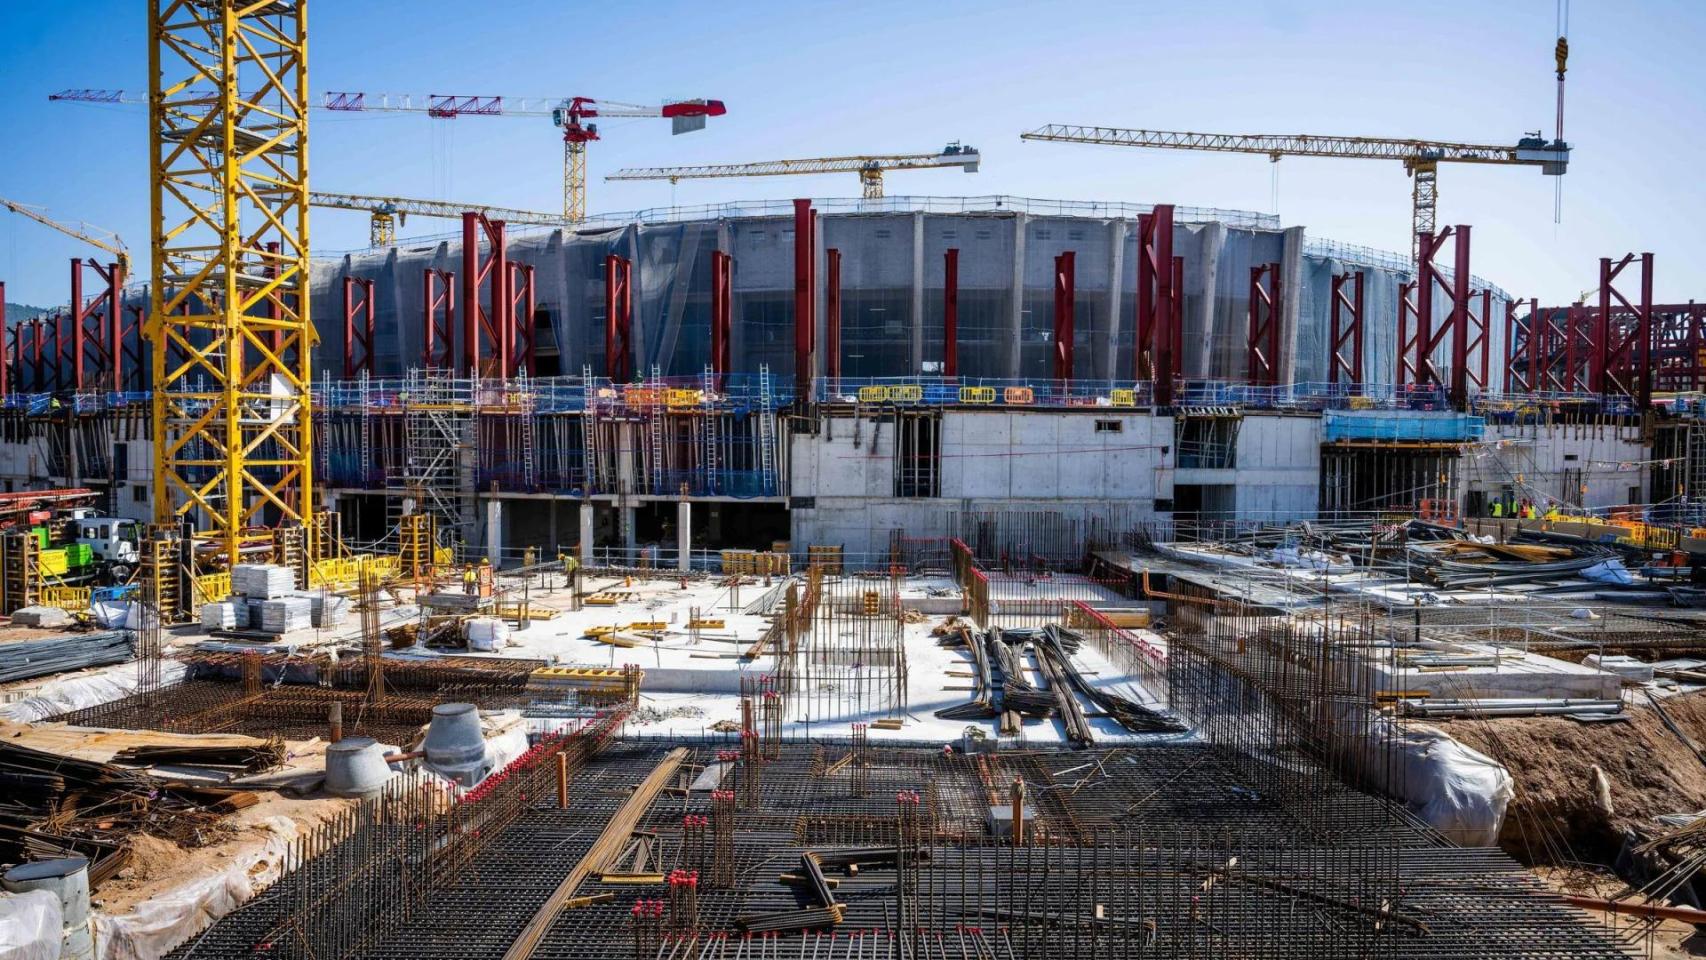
(251, 758)
(1057, 644)
(28, 659)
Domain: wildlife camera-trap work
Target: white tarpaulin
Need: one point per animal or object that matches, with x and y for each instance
(158, 924)
(30, 925)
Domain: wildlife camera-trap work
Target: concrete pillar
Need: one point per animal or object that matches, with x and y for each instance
(1199, 361)
(684, 535)
(630, 536)
(1109, 361)
(918, 292)
(1016, 318)
(1292, 367)
(495, 531)
(586, 539)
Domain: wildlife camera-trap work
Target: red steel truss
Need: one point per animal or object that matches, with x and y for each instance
(951, 312)
(358, 327)
(1344, 362)
(618, 318)
(489, 322)
(1262, 341)
(438, 319)
(1159, 316)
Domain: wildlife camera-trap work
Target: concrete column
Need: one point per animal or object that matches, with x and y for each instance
(630, 536)
(1016, 320)
(918, 292)
(1210, 242)
(684, 535)
(586, 540)
(1291, 298)
(1110, 349)
(495, 531)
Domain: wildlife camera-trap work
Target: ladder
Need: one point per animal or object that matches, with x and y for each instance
(365, 441)
(713, 420)
(594, 461)
(766, 434)
(524, 423)
(656, 481)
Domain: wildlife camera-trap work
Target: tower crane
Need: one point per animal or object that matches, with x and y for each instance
(870, 168)
(386, 214)
(91, 235)
(567, 113)
(1421, 158)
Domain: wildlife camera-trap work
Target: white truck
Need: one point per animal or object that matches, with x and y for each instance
(113, 541)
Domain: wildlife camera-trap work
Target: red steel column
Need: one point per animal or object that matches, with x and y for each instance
(471, 294)
(76, 325)
(722, 288)
(115, 325)
(1065, 293)
(1157, 309)
(8, 346)
(521, 303)
(951, 312)
(618, 317)
(832, 313)
(805, 295)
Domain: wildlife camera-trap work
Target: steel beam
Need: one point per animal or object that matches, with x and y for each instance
(1622, 357)
(522, 327)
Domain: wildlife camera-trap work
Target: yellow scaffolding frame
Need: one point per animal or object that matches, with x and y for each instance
(228, 315)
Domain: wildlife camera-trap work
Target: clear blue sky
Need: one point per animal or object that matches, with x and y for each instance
(812, 79)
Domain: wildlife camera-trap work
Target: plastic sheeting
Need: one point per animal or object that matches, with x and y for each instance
(30, 925)
(1458, 791)
(156, 925)
(892, 272)
(86, 690)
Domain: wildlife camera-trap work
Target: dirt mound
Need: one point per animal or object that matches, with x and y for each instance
(1557, 815)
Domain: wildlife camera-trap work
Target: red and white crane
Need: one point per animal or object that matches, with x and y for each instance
(569, 113)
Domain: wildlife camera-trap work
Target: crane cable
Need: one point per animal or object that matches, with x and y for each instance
(1560, 53)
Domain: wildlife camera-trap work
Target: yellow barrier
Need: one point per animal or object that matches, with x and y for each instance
(977, 394)
(678, 398)
(1018, 395)
(906, 393)
(1123, 398)
(70, 599)
(873, 394)
(210, 588)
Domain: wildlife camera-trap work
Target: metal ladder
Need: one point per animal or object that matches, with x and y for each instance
(766, 434)
(524, 405)
(594, 465)
(654, 427)
(713, 420)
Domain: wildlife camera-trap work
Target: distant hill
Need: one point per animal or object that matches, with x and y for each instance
(17, 312)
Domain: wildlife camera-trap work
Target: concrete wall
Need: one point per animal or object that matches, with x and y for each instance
(1541, 462)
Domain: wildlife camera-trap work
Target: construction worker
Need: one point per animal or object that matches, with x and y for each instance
(1553, 514)
(1498, 509)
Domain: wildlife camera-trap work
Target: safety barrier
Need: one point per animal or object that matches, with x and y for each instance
(69, 599)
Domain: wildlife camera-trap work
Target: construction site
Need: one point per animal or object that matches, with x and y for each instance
(873, 578)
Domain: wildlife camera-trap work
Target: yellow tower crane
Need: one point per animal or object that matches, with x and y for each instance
(92, 235)
(228, 318)
(869, 168)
